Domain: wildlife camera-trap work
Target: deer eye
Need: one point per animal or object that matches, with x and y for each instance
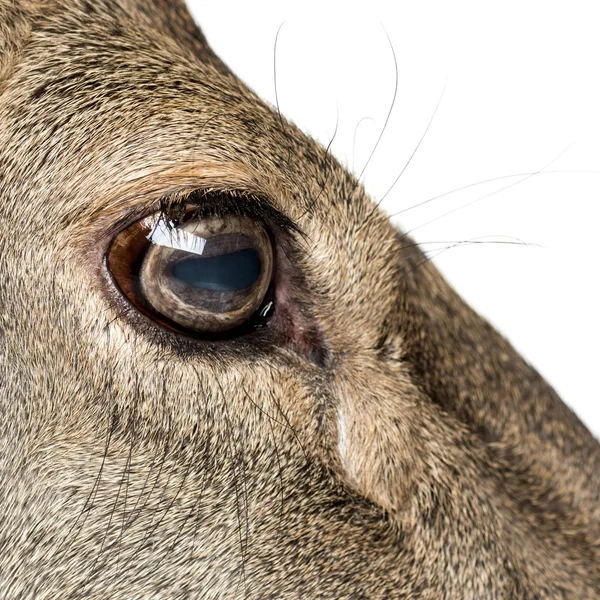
(200, 275)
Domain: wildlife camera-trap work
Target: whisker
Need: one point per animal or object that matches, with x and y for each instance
(389, 114)
(275, 74)
(151, 528)
(204, 480)
(263, 411)
(410, 158)
(511, 241)
(291, 428)
(278, 458)
(126, 474)
(232, 454)
(134, 511)
(523, 179)
(433, 254)
(191, 462)
(134, 515)
(284, 129)
(484, 181)
(325, 166)
(354, 137)
(89, 503)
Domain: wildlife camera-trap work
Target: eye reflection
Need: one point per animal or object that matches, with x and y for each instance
(205, 275)
(224, 273)
(166, 233)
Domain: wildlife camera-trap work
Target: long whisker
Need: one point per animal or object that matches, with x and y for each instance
(191, 463)
(416, 148)
(326, 166)
(234, 454)
(380, 201)
(284, 129)
(389, 114)
(89, 503)
(354, 136)
(484, 181)
(290, 426)
(433, 254)
(506, 187)
(126, 476)
(474, 241)
(275, 74)
(152, 526)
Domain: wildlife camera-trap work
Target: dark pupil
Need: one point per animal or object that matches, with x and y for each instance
(221, 273)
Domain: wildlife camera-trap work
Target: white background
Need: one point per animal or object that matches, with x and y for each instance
(521, 94)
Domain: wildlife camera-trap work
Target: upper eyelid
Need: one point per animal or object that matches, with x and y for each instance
(97, 218)
(207, 203)
(234, 202)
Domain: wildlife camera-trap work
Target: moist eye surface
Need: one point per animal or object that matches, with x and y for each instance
(225, 273)
(205, 275)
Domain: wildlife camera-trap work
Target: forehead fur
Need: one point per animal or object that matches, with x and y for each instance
(156, 100)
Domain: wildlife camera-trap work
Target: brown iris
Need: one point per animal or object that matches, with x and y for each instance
(205, 275)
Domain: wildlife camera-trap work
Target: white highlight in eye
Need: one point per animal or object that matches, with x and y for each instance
(166, 233)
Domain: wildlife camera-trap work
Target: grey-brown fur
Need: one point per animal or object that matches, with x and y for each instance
(385, 442)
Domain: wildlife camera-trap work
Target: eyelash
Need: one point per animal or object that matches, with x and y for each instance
(215, 203)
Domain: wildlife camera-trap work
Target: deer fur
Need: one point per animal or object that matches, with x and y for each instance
(377, 440)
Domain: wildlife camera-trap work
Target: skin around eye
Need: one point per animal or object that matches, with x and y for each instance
(202, 275)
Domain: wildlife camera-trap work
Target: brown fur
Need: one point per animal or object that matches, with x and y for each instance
(377, 440)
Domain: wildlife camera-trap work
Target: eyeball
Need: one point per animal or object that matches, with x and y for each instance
(202, 275)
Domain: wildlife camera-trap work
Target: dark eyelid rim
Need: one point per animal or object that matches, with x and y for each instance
(197, 204)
